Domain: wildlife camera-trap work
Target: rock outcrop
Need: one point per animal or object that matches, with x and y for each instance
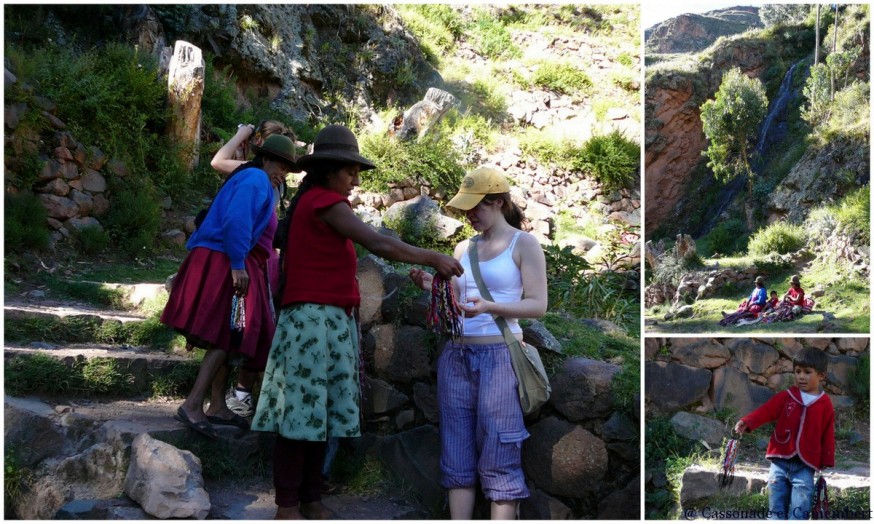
(690, 32)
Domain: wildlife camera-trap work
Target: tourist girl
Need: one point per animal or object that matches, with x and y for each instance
(481, 422)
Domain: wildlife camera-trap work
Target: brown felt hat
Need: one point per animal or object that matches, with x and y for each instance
(760, 280)
(335, 142)
(279, 147)
(795, 280)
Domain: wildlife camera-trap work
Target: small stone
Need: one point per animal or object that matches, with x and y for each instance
(62, 408)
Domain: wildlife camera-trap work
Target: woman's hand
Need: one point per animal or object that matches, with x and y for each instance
(241, 281)
(740, 427)
(480, 306)
(447, 266)
(423, 279)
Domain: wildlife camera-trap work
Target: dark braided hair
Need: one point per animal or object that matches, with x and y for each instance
(512, 214)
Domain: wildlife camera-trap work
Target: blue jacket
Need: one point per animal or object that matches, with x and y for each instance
(238, 216)
(759, 296)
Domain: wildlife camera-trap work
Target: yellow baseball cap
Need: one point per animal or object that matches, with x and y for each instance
(478, 183)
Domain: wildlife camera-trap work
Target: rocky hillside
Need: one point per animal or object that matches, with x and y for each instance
(676, 170)
(531, 91)
(693, 32)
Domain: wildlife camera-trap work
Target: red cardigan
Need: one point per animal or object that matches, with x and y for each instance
(806, 431)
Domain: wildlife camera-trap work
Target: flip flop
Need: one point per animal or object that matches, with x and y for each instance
(235, 420)
(204, 427)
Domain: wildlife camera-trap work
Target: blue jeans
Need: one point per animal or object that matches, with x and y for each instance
(790, 482)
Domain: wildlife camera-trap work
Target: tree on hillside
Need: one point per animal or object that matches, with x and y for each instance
(730, 122)
(783, 14)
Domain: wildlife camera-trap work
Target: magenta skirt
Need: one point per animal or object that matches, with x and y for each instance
(199, 306)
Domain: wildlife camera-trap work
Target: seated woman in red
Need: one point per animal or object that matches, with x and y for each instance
(795, 295)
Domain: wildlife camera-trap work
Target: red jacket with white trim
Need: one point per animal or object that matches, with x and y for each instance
(806, 431)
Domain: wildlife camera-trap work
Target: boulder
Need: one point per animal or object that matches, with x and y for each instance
(651, 347)
(55, 186)
(583, 389)
(752, 356)
(670, 386)
(540, 506)
(563, 458)
(165, 481)
(818, 343)
(93, 181)
(789, 346)
(840, 369)
(696, 427)
(414, 456)
(59, 207)
(733, 389)
(702, 354)
(379, 397)
(425, 398)
(420, 217)
(623, 504)
(619, 427)
(28, 431)
(857, 344)
(699, 483)
(400, 353)
(538, 336)
(372, 274)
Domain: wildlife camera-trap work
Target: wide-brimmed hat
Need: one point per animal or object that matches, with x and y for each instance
(279, 147)
(477, 184)
(795, 280)
(335, 142)
(760, 280)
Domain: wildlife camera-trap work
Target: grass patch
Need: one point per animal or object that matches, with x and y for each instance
(15, 480)
(43, 374)
(433, 161)
(25, 226)
(178, 381)
(78, 329)
(491, 38)
(562, 78)
(223, 459)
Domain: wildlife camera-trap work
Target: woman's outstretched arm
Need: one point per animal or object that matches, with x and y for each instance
(224, 161)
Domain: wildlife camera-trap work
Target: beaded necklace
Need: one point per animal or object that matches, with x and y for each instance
(444, 315)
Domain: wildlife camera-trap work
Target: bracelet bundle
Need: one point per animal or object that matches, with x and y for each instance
(726, 477)
(238, 320)
(444, 315)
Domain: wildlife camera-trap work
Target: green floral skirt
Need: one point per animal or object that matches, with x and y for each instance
(310, 388)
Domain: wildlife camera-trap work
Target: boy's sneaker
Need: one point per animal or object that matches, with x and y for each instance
(244, 407)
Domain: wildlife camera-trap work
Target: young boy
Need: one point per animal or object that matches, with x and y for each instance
(803, 440)
(772, 303)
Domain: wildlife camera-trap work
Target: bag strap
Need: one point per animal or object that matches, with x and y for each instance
(484, 292)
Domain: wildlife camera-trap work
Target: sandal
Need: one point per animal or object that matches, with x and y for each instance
(235, 420)
(203, 427)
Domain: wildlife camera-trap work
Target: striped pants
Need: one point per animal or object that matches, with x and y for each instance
(481, 424)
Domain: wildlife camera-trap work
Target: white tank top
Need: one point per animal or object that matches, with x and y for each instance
(503, 280)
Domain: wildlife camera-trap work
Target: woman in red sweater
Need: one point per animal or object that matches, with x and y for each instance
(795, 295)
(310, 390)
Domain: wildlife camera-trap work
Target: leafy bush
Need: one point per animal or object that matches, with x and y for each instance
(91, 240)
(779, 237)
(25, 227)
(561, 78)
(492, 39)
(853, 213)
(727, 238)
(612, 159)
(433, 160)
(134, 220)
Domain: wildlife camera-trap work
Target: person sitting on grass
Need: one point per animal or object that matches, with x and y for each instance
(795, 295)
(755, 303)
(771, 305)
(803, 440)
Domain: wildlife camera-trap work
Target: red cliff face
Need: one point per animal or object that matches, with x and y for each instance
(672, 149)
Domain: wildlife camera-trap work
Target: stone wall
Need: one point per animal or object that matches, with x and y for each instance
(582, 456)
(703, 375)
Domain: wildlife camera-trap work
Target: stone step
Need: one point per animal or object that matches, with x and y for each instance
(699, 482)
(131, 296)
(57, 309)
(142, 366)
(78, 453)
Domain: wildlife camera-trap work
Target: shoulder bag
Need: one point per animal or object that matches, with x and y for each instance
(534, 388)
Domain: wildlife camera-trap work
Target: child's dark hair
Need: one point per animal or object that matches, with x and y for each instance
(813, 358)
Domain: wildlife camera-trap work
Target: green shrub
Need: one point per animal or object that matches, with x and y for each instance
(102, 375)
(853, 213)
(779, 237)
(492, 39)
(612, 159)
(15, 480)
(25, 225)
(625, 59)
(548, 149)
(859, 378)
(561, 78)
(436, 26)
(727, 238)
(433, 160)
(91, 240)
(134, 220)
